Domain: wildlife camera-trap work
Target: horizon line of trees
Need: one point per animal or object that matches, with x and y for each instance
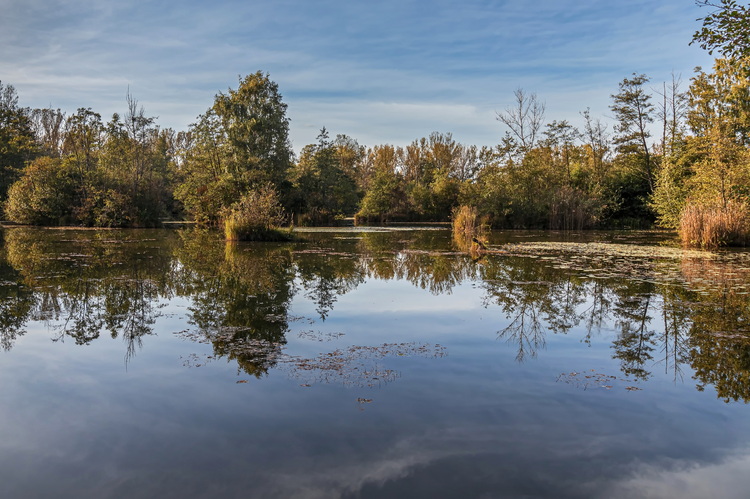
(75, 169)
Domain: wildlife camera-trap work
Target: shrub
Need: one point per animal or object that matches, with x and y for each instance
(43, 195)
(114, 210)
(712, 226)
(255, 217)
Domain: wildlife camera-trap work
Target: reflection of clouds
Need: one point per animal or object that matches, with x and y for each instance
(344, 477)
(350, 479)
(482, 462)
(427, 461)
(728, 479)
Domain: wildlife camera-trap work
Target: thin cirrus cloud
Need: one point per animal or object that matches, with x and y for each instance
(411, 67)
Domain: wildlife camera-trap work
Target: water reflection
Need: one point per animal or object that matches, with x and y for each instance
(668, 310)
(239, 297)
(83, 283)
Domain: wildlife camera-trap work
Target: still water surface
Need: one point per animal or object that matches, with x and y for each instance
(371, 364)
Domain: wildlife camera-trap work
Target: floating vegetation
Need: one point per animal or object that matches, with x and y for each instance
(593, 379)
(195, 360)
(322, 251)
(319, 336)
(356, 365)
(609, 249)
(702, 271)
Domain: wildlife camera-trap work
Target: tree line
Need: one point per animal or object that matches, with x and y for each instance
(676, 157)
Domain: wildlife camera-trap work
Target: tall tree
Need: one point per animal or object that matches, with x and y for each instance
(384, 198)
(634, 111)
(672, 111)
(561, 137)
(205, 180)
(720, 119)
(524, 118)
(17, 144)
(597, 143)
(349, 154)
(49, 129)
(257, 129)
(241, 143)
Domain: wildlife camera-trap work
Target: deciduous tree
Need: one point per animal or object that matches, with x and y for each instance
(726, 28)
(254, 121)
(17, 144)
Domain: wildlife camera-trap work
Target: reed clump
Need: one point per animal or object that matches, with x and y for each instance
(257, 216)
(469, 229)
(715, 225)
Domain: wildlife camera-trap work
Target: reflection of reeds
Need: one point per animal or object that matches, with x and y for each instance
(717, 275)
(713, 226)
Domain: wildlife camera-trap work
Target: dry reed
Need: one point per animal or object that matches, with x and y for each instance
(712, 226)
(469, 229)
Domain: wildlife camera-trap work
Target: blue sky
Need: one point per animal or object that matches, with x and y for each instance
(380, 71)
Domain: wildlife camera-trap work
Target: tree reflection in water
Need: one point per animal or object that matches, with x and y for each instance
(667, 309)
(239, 298)
(81, 283)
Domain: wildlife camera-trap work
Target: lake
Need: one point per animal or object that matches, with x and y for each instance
(371, 363)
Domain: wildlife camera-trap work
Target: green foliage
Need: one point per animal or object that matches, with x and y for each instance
(712, 168)
(381, 202)
(254, 124)
(43, 195)
(113, 209)
(672, 189)
(17, 144)
(350, 156)
(323, 190)
(384, 199)
(206, 185)
(239, 144)
(134, 161)
(633, 111)
(726, 29)
(433, 169)
(129, 172)
(721, 100)
(113, 176)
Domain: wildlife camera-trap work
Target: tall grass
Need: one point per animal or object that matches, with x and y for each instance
(572, 209)
(469, 229)
(255, 217)
(712, 226)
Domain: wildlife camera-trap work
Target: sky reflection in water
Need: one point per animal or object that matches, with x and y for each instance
(373, 364)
